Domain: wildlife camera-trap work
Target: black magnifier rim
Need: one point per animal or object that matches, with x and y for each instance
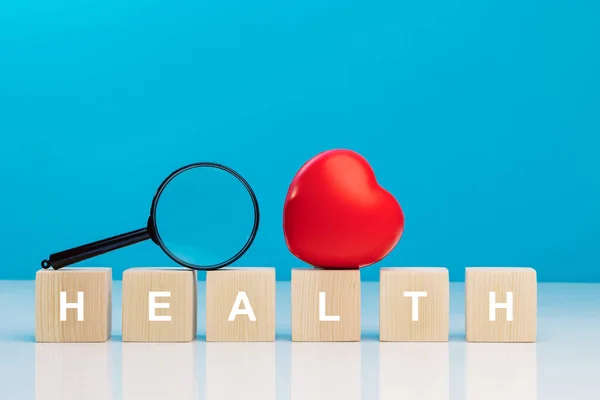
(153, 227)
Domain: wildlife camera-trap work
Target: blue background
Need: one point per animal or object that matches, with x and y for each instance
(481, 117)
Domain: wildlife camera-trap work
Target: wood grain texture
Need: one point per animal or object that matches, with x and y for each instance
(396, 310)
(222, 289)
(96, 285)
(522, 282)
(183, 286)
(342, 290)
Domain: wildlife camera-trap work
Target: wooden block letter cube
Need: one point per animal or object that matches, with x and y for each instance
(501, 304)
(73, 305)
(325, 305)
(159, 305)
(414, 305)
(240, 305)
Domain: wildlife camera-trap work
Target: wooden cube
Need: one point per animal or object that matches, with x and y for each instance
(414, 305)
(501, 304)
(73, 305)
(325, 305)
(159, 305)
(240, 305)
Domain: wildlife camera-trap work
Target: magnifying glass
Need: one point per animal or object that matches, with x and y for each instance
(204, 216)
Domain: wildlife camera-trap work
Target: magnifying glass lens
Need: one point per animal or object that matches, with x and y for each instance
(204, 216)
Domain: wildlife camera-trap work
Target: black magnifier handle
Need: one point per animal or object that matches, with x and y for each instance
(71, 256)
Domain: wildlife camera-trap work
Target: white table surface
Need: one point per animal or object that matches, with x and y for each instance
(563, 364)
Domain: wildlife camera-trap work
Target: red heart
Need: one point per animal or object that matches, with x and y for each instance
(337, 216)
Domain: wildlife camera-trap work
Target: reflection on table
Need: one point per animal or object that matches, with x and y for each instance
(414, 371)
(73, 371)
(298, 371)
(156, 371)
(326, 371)
(237, 371)
(498, 371)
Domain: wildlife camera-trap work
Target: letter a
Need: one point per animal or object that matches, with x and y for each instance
(247, 310)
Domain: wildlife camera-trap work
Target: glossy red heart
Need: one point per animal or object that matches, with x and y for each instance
(337, 216)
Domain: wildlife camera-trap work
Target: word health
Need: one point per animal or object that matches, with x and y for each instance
(160, 305)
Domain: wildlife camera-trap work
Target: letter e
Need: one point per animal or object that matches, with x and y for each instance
(153, 305)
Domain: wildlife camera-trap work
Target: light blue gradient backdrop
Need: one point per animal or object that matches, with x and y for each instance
(482, 117)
